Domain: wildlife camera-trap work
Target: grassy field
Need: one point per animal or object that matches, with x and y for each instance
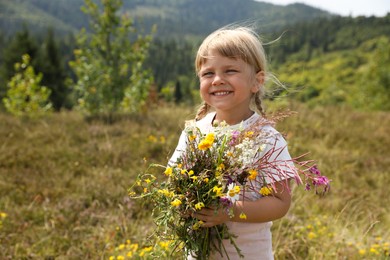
(64, 182)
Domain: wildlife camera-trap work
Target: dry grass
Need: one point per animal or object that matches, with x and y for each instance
(64, 181)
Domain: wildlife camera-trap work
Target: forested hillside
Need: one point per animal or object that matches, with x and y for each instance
(174, 18)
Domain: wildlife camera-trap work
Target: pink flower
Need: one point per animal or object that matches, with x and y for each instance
(315, 170)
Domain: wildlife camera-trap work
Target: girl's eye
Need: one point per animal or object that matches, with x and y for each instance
(207, 74)
(231, 71)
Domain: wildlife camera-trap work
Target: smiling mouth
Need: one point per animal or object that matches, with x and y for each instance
(221, 93)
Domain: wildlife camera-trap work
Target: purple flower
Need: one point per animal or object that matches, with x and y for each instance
(315, 170)
(226, 202)
(321, 181)
(235, 135)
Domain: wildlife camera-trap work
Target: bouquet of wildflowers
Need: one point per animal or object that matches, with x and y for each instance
(216, 170)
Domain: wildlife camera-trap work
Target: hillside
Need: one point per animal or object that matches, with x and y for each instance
(173, 17)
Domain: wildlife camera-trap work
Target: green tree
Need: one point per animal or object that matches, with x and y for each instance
(25, 95)
(108, 63)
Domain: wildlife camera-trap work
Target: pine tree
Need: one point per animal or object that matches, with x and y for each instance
(20, 44)
(52, 67)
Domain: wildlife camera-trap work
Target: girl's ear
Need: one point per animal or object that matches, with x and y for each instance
(259, 81)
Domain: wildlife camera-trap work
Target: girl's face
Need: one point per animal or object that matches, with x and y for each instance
(227, 85)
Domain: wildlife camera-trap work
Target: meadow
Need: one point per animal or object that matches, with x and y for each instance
(64, 183)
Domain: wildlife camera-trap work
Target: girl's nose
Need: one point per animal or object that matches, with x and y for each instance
(217, 80)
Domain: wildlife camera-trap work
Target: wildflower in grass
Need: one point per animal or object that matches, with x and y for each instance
(265, 191)
(152, 138)
(311, 235)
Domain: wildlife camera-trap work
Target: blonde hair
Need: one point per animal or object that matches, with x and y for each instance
(238, 43)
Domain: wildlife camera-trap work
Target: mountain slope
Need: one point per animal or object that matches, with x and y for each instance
(172, 17)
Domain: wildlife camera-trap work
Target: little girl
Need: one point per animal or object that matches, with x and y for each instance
(231, 67)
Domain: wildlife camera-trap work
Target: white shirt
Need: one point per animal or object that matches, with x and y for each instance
(254, 239)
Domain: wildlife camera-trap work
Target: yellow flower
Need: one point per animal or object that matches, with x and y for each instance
(207, 142)
(362, 251)
(242, 215)
(176, 203)
(152, 138)
(311, 235)
(164, 244)
(210, 137)
(166, 193)
(3, 215)
(265, 191)
(147, 180)
(221, 167)
(120, 257)
(192, 138)
(190, 172)
(129, 254)
(194, 178)
(199, 205)
(252, 175)
(206, 180)
(197, 225)
(217, 190)
(374, 251)
(168, 171)
(204, 145)
(145, 190)
(249, 134)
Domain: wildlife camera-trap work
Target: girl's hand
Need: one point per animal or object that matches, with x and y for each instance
(211, 216)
